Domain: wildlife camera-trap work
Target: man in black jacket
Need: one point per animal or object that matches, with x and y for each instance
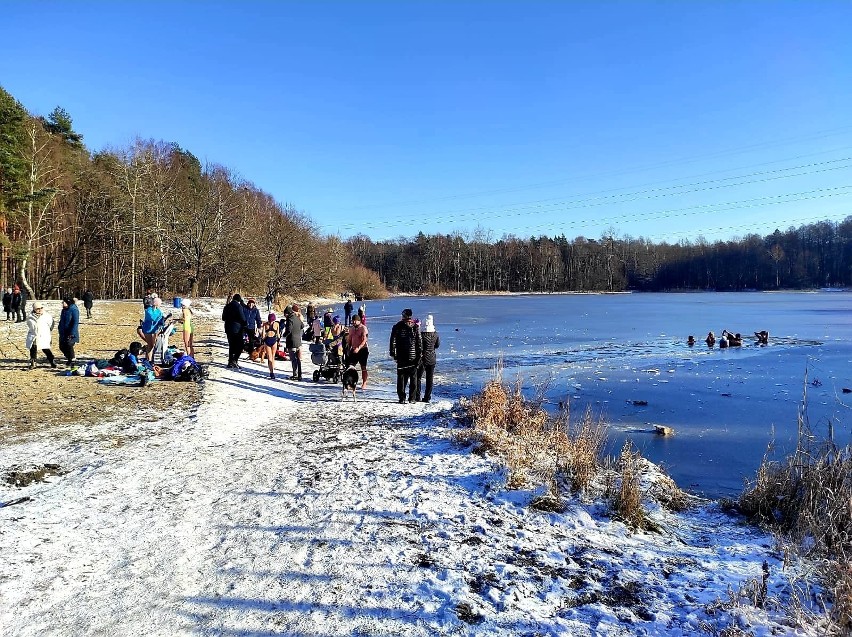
(405, 350)
(234, 318)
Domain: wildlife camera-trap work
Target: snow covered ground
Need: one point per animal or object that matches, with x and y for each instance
(276, 508)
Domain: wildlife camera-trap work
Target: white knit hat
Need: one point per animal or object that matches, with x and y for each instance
(430, 324)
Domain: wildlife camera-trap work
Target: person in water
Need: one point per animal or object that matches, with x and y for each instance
(711, 339)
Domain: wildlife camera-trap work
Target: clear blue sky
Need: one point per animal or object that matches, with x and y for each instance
(389, 118)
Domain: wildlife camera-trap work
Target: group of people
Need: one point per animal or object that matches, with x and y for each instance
(415, 356)
(154, 321)
(243, 325)
(14, 304)
(729, 339)
(40, 325)
(411, 346)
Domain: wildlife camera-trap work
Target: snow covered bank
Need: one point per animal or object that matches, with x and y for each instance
(276, 508)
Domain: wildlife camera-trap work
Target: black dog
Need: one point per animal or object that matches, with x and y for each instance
(349, 378)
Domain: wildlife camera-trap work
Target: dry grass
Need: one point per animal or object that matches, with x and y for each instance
(588, 438)
(518, 431)
(807, 499)
(540, 448)
(626, 495)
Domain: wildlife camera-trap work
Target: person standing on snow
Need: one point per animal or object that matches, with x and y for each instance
(293, 340)
(429, 341)
(358, 350)
(235, 324)
(405, 350)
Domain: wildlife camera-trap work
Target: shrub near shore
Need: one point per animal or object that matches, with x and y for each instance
(538, 448)
(806, 498)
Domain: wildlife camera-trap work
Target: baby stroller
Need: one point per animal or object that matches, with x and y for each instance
(161, 344)
(328, 361)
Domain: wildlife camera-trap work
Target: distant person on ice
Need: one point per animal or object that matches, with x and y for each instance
(405, 350)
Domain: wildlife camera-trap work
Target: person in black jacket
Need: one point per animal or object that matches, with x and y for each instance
(234, 318)
(347, 310)
(429, 342)
(7, 303)
(17, 304)
(293, 340)
(69, 329)
(405, 350)
(88, 302)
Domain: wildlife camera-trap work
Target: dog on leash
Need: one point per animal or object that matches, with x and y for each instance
(349, 378)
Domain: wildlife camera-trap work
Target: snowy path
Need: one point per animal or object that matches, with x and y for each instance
(278, 509)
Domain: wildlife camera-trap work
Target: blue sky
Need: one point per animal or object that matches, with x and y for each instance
(668, 120)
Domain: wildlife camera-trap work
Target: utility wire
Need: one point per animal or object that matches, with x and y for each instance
(602, 201)
(680, 161)
(758, 202)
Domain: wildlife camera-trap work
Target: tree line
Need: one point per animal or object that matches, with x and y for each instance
(808, 256)
(148, 214)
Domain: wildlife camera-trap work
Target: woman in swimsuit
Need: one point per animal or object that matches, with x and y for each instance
(188, 327)
(271, 336)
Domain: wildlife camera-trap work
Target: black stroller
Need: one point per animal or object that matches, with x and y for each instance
(328, 361)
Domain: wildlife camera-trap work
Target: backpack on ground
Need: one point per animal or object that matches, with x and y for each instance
(186, 368)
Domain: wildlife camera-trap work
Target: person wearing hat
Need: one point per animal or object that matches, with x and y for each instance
(151, 324)
(253, 318)
(359, 352)
(17, 304)
(39, 333)
(69, 332)
(429, 342)
(405, 350)
(293, 340)
(188, 327)
(271, 336)
(335, 335)
(233, 316)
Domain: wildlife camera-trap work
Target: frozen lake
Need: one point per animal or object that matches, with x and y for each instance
(606, 351)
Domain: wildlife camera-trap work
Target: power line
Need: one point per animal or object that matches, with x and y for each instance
(680, 161)
(839, 191)
(634, 196)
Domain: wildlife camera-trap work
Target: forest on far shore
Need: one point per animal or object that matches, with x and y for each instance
(810, 256)
(119, 220)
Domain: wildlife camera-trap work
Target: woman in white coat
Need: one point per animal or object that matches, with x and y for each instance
(39, 334)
